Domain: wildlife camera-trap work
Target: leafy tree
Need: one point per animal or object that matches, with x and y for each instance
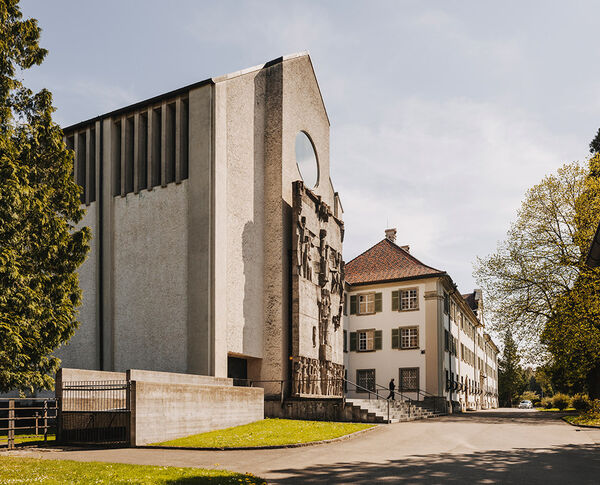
(538, 281)
(537, 262)
(511, 376)
(40, 245)
(572, 334)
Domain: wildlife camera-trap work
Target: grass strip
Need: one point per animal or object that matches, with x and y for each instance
(17, 470)
(268, 432)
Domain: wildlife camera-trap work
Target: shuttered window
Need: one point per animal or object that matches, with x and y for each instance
(378, 339)
(366, 340)
(366, 304)
(409, 337)
(409, 300)
(403, 300)
(353, 305)
(395, 338)
(378, 302)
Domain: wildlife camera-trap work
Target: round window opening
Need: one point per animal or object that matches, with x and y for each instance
(306, 159)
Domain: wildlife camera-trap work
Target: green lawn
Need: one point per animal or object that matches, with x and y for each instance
(582, 420)
(268, 432)
(16, 470)
(27, 438)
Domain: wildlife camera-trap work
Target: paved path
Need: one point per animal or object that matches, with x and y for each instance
(501, 446)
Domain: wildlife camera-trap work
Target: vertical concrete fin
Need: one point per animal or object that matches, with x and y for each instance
(200, 342)
(136, 152)
(163, 145)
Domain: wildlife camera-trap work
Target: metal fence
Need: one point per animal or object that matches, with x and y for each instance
(94, 412)
(25, 416)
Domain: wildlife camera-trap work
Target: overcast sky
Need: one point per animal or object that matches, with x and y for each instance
(442, 113)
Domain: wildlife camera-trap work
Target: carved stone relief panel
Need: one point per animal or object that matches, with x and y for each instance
(317, 296)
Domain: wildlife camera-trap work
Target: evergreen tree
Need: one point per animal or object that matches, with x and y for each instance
(511, 376)
(595, 143)
(40, 245)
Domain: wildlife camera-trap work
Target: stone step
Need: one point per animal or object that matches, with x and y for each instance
(376, 410)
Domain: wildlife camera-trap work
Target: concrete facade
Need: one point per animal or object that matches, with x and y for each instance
(189, 197)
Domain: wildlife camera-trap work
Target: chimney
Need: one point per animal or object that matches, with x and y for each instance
(406, 248)
(390, 234)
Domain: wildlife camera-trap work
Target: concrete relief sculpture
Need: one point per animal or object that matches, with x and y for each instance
(317, 302)
(313, 377)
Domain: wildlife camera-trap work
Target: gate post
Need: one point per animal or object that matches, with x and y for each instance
(131, 400)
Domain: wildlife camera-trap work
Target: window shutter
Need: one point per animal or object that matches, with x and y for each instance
(352, 341)
(378, 302)
(353, 309)
(345, 341)
(395, 300)
(378, 339)
(395, 338)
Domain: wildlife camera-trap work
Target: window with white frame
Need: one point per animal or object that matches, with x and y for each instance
(409, 338)
(366, 303)
(409, 300)
(365, 340)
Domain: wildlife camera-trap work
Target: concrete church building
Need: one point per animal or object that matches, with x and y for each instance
(217, 232)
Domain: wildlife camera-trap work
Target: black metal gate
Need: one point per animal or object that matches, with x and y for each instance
(95, 413)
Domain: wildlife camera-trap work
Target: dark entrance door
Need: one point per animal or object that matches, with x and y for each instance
(237, 369)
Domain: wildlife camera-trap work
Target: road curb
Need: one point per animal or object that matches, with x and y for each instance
(269, 447)
(580, 425)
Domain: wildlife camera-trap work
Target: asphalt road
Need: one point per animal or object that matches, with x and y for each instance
(500, 446)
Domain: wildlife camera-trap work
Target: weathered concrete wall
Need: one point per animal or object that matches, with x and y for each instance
(173, 378)
(310, 409)
(242, 113)
(162, 411)
(150, 282)
(82, 350)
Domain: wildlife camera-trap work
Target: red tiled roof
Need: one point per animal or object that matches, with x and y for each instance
(386, 261)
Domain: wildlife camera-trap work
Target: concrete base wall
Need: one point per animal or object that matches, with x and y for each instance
(162, 411)
(310, 409)
(165, 406)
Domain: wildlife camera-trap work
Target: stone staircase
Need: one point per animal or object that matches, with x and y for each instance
(376, 410)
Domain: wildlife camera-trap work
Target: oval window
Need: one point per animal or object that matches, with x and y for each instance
(306, 159)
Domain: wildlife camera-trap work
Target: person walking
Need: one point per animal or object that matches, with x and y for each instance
(392, 388)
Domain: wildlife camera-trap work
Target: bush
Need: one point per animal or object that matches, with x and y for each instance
(546, 402)
(593, 411)
(561, 401)
(530, 396)
(581, 402)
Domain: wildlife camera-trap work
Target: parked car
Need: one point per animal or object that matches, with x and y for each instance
(525, 405)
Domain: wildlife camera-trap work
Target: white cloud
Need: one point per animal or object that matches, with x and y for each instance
(449, 175)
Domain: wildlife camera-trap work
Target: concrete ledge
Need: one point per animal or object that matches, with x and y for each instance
(174, 378)
(270, 447)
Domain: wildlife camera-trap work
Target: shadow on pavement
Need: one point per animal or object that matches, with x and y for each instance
(506, 417)
(577, 464)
